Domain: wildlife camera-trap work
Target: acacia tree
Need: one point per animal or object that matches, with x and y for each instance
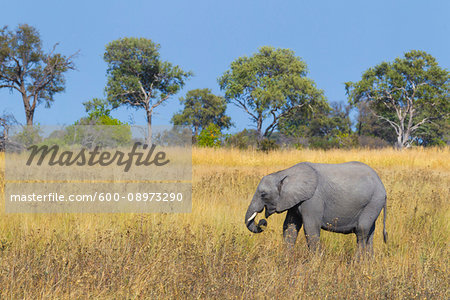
(137, 77)
(201, 108)
(406, 93)
(269, 84)
(27, 69)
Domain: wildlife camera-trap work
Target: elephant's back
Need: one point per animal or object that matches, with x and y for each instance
(347, 174)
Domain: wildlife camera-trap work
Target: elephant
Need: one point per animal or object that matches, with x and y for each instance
(343, 198)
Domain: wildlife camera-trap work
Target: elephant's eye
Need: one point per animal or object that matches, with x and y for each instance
(263, 194)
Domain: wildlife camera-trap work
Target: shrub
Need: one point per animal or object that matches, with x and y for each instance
(242, 140)
(210, 136)
(268, 145)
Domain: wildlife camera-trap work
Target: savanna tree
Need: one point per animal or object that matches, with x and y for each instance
(269, 85)
(25, 68)
(201, 108)
(406, 93)
(137, 77)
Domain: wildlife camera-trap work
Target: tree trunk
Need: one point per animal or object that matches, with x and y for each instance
(149, 128)
(399, 144)
(29, 110)
(259, 128)
(195, 137)
(29, 115)
(402, 140)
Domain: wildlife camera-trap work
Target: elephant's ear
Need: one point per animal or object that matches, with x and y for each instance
(295, 186)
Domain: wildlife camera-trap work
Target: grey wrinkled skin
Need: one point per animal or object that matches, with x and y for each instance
(344, 198)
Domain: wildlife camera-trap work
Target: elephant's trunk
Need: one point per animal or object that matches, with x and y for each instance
(255, 207)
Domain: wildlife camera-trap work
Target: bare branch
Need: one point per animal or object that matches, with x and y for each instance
(49, 70)
(8, 79)
(242, 104)
(276, 118)
(294, 107)
(132, 103)
(400, 115)
(159, 102)
(272, 126)
(144, 92)
(415, 127)
(10, 86)
(397, 127)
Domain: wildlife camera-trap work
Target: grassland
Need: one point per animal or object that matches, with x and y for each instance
(210, 254)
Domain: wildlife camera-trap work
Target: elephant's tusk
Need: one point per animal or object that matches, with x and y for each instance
(252, 217)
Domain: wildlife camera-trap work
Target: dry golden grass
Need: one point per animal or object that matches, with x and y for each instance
(210, 254)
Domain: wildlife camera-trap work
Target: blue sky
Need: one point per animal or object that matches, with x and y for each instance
(338, 40)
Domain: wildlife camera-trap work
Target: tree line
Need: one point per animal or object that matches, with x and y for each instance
(400, 103)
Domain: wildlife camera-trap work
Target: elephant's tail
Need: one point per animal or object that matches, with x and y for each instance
(385, 234)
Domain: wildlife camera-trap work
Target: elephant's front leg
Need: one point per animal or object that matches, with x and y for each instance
(291, 226)
(312, 212)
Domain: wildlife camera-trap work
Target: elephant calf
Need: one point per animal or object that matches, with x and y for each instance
(343, 198)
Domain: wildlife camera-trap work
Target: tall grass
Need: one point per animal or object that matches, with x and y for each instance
(210, 254)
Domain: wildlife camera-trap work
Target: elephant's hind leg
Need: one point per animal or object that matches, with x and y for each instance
(366, 224)
(291, 226)
(364, 239)
(369, 246)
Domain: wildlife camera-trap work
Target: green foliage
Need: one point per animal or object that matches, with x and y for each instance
(175, 136)
(346, 140)
(338, 141)
(210, 136)
(27, 69)
(267, 145)
(318, 142)
(97, 108)
(326, 127)
(97, 129)
(201, 108)
(406, 93)
(91, 134)
(436, 133)
(29, 135)
(52, 142)
(99, 113)
(270, 84)
(369, 125)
